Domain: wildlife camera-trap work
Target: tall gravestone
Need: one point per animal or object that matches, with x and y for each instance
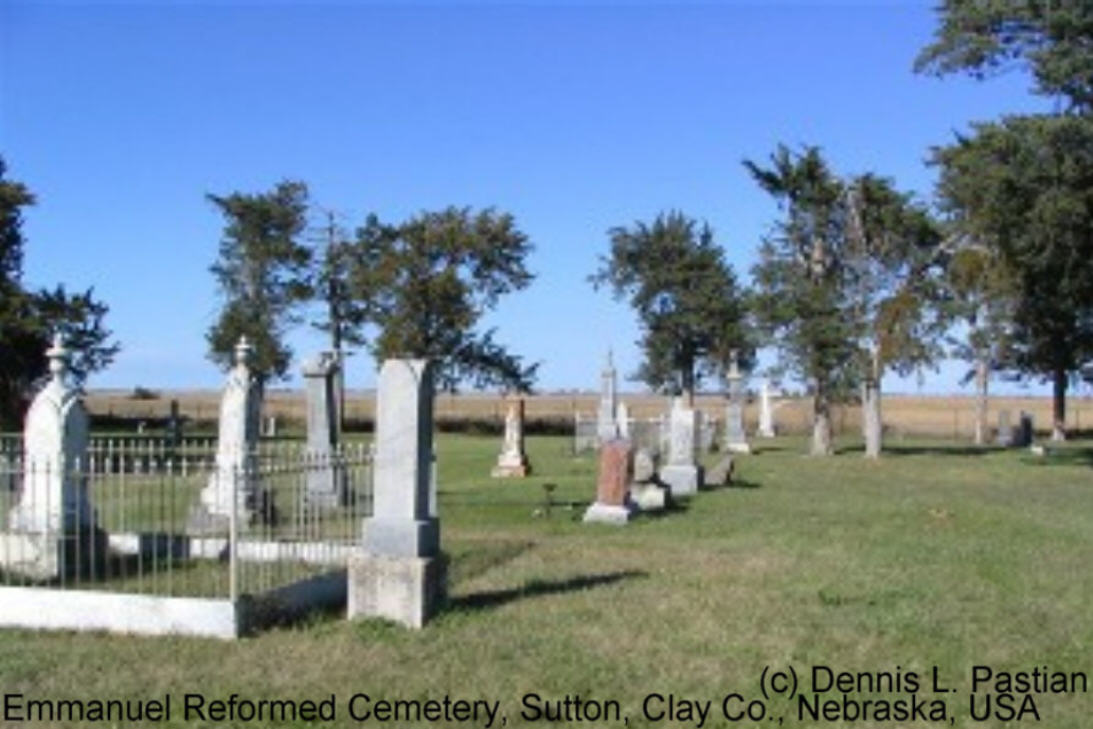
(682, 474)
(622, 420)
(736, 439)
(326, 483)
(1023, 435)
(399, 573)
(606, 427)
(1005, 429)
(612, 504)
(53, 524)
(234, 482)
(766, 412)
(512, 462)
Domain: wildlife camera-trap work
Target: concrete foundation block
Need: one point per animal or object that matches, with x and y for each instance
(406, 590)
(609, 514)
(649, 497)
(682, 480)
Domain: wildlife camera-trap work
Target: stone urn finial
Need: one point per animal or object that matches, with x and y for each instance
(243, 351)
(58, 357)
(733, 364)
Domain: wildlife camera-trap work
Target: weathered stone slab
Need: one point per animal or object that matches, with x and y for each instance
(721, 473)
(682, 473)
(326, 478)
(399, 575)
(766, 412)
(736, 438)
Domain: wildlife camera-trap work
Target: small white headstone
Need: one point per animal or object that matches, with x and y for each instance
(513, 461)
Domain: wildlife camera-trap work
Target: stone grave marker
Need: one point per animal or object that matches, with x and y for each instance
(399, 573)
(326, 477)
(682, 473)
(612, 505)
(512, 462)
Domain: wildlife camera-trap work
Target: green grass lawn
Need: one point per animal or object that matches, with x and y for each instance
(934, 556)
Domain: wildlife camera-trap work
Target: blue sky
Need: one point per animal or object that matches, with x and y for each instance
(120, 117)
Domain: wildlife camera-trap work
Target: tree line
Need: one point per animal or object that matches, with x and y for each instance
(854, 279)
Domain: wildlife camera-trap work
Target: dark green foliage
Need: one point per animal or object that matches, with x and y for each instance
(979, 293)
(1024, 187)
(263, 274)
(687, 299)
(430, 280)
(844, 282)
(803, 274)
(28, 319)
(1052, 37)
(346, 309)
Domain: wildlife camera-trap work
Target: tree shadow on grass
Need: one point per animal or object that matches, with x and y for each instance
(742, 483)
(473, 559)
(1067, 456)
(672, 508)
(934, 450)
(534, 588)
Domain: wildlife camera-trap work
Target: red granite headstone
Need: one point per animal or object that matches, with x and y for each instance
(614, 473)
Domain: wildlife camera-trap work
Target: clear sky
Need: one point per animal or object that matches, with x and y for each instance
(121, 117)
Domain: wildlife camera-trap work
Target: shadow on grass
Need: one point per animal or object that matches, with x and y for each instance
(897, 449)
(760, 449)
(742, 483)
(672, 508)
(475, 558)
(535, 588)
(1066, 456)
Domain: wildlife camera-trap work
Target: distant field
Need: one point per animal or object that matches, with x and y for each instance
(904, 415)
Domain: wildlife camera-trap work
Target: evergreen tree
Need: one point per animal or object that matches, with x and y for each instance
(263, 274)
(430, 279)
(28, 319)
(843, 291)
(691, 309)
(1053, 38)
(1024, 188)
(977, 292)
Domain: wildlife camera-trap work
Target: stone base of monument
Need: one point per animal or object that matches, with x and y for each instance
(43, 557)
(682, 480)
(258, 507)
(609, 513)
(406, 590)
(649, 497)
(326, 488)
(511, 470)
(721, 473)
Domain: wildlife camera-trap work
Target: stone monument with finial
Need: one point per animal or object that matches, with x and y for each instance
(234, 482)
(53, 522)
(512, 462)
(606, 427)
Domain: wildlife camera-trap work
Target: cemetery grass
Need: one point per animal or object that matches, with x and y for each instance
(938, 555)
